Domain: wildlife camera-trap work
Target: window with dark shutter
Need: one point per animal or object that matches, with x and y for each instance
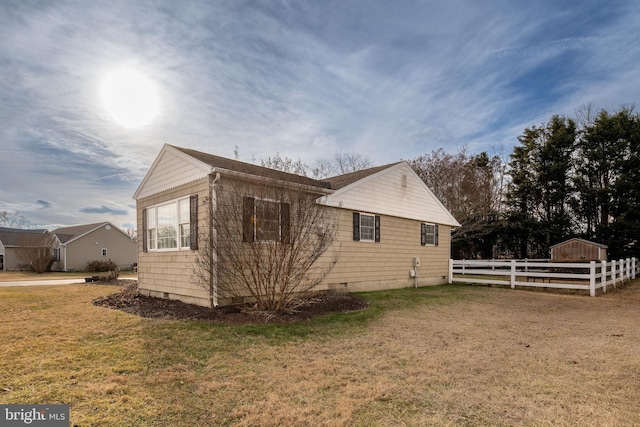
(428, 234)
(435, 235)
(144, 230)
(193, 221)
(248, 219)
(285, 231)
(356, 226)
(366, 227)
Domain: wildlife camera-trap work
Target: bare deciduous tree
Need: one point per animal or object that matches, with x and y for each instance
(351, 162)
(470, 186)
(342, 163)
(11, 219)
(264, 244)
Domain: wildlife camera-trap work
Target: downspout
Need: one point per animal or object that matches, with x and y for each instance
(213, 274)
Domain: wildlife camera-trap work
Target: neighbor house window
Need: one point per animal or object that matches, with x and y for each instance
(104, 252)
(366, 227)
(428, 234)
(265, 220)
(172, 225)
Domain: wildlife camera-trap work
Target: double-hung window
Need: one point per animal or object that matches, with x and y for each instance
(171, 225)
(428, 234)
(366, 227)
(265, 220)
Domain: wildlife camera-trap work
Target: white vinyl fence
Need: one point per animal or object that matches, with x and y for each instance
(586, 275)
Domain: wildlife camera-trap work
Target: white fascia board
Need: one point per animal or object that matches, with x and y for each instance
(169, 150)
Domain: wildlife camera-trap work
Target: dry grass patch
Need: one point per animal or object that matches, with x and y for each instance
(452, 355)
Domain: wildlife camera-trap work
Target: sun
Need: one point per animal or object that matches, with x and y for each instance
(130, 97)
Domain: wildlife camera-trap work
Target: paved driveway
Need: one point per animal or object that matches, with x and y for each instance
(44, 282)
(50, 282)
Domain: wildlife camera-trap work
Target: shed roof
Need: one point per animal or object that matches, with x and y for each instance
(575, 239)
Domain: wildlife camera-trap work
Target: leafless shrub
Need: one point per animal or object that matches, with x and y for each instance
(35, 249)
(264, 243)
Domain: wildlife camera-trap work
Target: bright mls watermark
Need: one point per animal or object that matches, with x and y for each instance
(34, 415)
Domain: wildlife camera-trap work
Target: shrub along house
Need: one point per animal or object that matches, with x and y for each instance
(391, 231)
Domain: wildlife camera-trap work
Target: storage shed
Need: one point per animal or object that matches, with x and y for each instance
(578, 250)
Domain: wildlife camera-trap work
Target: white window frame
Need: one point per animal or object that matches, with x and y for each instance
(431, 234)
(103, 251)
(178, 224)
(372, 227)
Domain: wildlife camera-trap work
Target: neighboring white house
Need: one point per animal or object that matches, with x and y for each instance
(388, 221)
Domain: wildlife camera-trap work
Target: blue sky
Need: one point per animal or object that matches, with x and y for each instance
(306, 79)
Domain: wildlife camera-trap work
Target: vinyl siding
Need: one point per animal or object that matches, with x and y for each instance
(120, 249)
(171, 272)
(369, 266)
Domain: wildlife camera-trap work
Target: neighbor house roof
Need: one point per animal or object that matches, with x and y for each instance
(67, 234)
(13, 236)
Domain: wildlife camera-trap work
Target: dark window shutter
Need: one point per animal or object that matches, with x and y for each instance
(423, 234)
(144, 230)
(248, 219)
(435, 239)
(285, 230)
(193, 221)
(377, 228)
(356, 226)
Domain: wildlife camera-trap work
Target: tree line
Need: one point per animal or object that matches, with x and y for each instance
(571, 177)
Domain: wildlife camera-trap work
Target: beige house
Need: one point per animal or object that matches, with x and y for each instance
(76, 246)
(11, 240)
(392, 232)
(578, 250)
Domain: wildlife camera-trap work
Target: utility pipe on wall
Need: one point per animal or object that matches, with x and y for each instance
(213, 275)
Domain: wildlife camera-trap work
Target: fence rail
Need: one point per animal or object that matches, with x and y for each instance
(589, 276)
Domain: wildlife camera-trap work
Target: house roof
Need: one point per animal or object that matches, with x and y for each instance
(12, 236)
(340, 181)
(251, 169)
(392, 189)
(575, 239)
(67, 234)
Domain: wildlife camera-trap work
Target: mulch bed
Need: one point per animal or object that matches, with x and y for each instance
(130, 301)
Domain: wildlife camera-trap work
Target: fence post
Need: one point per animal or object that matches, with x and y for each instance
(613, 272)
(633, 267)
(450, 271)
(592, 279)
(513, 274)
(628, 265)
(603, 276)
